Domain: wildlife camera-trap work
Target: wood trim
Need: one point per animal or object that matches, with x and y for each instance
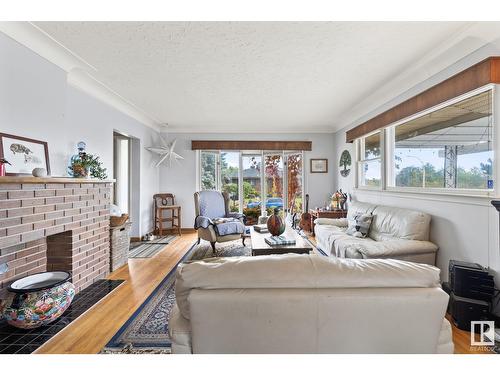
(474, 77)
(51, 180)
(252, 145)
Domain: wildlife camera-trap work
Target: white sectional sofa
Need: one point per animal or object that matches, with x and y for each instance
(395, 233)
(309, 304)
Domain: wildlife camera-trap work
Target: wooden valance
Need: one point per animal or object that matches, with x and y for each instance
(252, 145)
(481, 74)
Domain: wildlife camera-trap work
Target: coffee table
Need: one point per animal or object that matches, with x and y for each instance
(260, 247)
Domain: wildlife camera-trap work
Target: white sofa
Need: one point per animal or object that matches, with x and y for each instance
(395, 233)
(308, 304)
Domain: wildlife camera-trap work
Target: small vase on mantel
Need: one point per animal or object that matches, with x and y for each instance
(275, 223)
(76, 166)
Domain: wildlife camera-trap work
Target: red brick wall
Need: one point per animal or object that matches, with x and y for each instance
(55, 226)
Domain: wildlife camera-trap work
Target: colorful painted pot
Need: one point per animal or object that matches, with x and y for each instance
(38, 299)
(275, 223)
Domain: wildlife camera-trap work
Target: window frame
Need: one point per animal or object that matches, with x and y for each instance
(387, 166)
(360, 160)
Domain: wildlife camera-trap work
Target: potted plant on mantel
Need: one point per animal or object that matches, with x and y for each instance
(86, 166)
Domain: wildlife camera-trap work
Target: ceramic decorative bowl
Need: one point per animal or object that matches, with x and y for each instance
(39, 172)
(38, 299)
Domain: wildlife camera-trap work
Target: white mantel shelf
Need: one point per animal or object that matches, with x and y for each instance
(50, 180)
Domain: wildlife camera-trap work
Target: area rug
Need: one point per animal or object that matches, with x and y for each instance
(146, 331)
(150, 248)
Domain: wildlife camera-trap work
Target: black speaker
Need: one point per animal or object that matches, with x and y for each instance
(464, 310)
(471, 280)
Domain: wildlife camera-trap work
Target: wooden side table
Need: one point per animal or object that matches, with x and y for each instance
(166, 203)
(334, 214)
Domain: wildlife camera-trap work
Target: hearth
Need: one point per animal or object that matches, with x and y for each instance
(17, 341)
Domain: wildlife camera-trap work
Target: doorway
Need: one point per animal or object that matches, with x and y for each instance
(121, 171)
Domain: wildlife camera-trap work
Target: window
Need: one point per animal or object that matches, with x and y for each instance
(252, 185)
(256, 181)
(273, 182)
(294, 178)
(229, 168)
(450, 148)
(208, 170)
(369, 165)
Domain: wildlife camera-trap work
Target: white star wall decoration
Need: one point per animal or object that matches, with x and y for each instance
(166, 152)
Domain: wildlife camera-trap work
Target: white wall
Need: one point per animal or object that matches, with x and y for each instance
(36, 102)
(465, 228)
(180, 179)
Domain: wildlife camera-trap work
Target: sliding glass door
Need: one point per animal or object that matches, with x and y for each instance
(230, 177)
(273, 181)
(252, 186)
(257, 181)
(209, 170)
(295, 183)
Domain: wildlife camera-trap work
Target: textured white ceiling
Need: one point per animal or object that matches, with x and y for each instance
(248, 76)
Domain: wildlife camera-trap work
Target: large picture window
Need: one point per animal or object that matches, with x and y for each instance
(450, 148)
(257, 181)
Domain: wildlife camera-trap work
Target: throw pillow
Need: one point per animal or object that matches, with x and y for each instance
(359, 226)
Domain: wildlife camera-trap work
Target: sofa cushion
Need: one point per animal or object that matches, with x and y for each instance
(392, 222)
(368, 248)
(356, 207)
(342, 222)
(359, 225)
(298, 271)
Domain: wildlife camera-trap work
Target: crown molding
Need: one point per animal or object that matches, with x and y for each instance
(79, 72)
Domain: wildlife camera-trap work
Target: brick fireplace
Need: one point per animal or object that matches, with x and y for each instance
(54, 224)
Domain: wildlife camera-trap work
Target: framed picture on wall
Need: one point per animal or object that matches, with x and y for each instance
(319, 165)
(23, 154)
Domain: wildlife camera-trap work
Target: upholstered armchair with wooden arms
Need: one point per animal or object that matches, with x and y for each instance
(214, 222)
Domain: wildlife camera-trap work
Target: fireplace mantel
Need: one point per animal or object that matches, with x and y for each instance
(50, 180)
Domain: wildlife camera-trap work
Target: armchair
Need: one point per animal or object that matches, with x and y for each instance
(214, 222)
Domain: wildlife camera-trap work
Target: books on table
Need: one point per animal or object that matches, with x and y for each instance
(279, 240)
(261, 228)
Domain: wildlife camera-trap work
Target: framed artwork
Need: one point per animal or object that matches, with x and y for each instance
(319, 165)
(345, 161)
(23, 154)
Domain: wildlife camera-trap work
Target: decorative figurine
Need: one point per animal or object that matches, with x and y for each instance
(2, 166)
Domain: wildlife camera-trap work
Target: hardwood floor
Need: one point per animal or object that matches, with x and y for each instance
(92, 331)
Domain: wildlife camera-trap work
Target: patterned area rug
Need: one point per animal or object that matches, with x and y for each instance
(150, 248)
(146, 331)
